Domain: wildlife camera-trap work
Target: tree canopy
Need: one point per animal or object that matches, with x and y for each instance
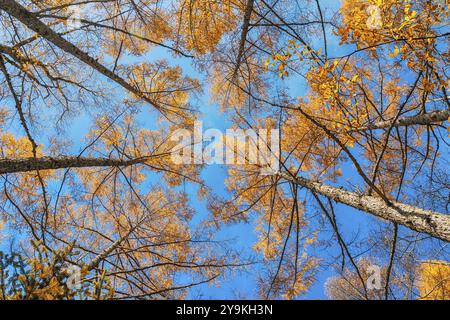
(93, 91)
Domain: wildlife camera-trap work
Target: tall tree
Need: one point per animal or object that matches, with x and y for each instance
(366, 130)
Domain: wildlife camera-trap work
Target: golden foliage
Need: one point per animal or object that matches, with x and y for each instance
(434, 283)
(202, 23)
(350, 286)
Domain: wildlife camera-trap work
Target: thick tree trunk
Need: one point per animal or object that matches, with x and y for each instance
(421, 119)
(432, 223)
(29, 19)
(52, 163)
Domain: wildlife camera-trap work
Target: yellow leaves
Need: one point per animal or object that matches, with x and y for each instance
(409, 15)
(395, 53)
(228, 89)
(361, 20)
(27, 185)
(344, 95)
(434, 283)
(122, 222)
(268, 64)
(202, 23)
(53, 290)
(165, 86)
(350, 143)
(104, 131)
(144, 26)
(282, 72)
(296, 290)
(274, 212)
(323, 81)
(428, 85)
(22, 278)
(281, 61)
(370, 23)
(114, 138)
(12, 147)
(348, 285)
(42, 276)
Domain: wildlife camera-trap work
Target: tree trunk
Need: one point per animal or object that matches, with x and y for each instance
(245, 29)
(432, 223)
(421, 119)
(104, 254)
(52, 163)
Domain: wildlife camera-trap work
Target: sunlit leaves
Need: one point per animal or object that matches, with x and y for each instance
(434, 281)
(202, 23)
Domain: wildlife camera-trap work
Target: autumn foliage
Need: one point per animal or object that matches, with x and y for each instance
(92, 92)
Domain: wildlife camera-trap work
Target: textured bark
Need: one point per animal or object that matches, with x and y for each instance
(432, 223)
(421, 119)
(29, 19)
(52, 163)
(245, 29)
(100, 257)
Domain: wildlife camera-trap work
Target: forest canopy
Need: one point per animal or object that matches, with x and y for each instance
(94, 94)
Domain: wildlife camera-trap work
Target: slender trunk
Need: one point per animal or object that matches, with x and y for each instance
(245, 29)
(421, 119)
(105, 253)
(52, 163)
(432, 223)
(29, 19)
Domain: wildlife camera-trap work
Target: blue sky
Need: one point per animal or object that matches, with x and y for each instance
(243, 235)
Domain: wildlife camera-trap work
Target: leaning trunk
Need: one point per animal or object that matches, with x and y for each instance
(53, 163)
(432, 223)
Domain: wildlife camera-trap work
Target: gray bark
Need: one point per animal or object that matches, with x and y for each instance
(421, 119)
(53, 163)
(432, 223)
(103, 255)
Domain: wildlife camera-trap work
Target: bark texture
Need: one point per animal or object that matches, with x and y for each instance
(52, 163)
(421, 119)
(432, 223)
(100, 257)
(245, 29)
